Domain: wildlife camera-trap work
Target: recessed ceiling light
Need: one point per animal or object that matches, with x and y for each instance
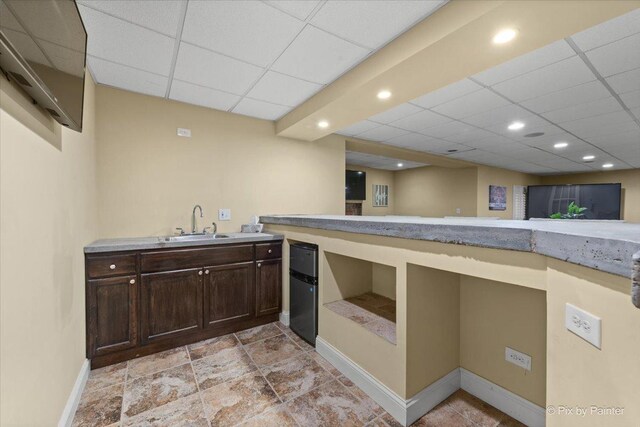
(607, 165)
(505, 36)
(384, 94)
(323, 124)
(400, 165)
(589, 157)
(561, 145)
(516, 126)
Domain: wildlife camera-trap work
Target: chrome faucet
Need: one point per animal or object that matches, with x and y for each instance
(194, 228)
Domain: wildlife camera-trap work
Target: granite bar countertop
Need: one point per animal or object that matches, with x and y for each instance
(140, 243)
(607, 246)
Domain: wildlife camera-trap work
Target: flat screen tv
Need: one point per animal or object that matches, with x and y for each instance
(42, 49)
(356, 185)
(602, 201)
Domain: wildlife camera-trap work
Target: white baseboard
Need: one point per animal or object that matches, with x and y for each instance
(284, 318)
(74, 397)
(407, 411)
(404, 411)
(511, 404)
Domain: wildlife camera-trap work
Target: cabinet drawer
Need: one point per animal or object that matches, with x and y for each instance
(111, 265)
(194, 258)
(268, 250)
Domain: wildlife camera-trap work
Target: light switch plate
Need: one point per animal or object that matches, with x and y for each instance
(583, 324)
(224, 214)
(184, 132)
(517, 358)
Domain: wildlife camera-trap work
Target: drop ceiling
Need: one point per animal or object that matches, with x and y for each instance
(583, 90)
(257, 58)
(379, 162)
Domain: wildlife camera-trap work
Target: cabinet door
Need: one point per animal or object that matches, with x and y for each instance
(228, 294)
(111, 315)
(268, 286)
(170, 303)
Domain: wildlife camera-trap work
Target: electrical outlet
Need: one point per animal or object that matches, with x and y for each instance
(517, 358)
(458, 211)
(224, 214)
(184, 132)
(583, 324)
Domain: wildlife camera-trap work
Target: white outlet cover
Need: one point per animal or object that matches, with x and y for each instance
(184, 132)
(583, 324)
(224, 214)
(517, 358)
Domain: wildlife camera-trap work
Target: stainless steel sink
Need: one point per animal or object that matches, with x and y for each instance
(193, 237)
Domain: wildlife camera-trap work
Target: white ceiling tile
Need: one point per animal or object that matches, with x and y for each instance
(120, 76)
(620, 139)
(606, 124)
(625, 82)
(118, 41)
(576, 95)
(359, 127)
(471, 104)
(318, 56)
(525, 63)
(371, 23)
(260, 109)
(206, 68)
(395, 113)
(486, 141)
(504, 115)
(448, 129)
(581, 111)
(609, 31)
(447, 93)
(203, 96)
(297, 8)
(381, 133)
(379, 162)
(66, 60)
(284, 90)
(473, 134)
(420, 121)
(158, 15)
(246, 30)
(617, 57)
(636, 112)
(561, 75)
(409, 140)
(7, 20)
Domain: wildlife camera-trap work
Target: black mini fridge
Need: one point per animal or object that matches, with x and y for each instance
(303, 291)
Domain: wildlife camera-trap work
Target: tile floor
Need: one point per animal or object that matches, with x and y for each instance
(265, 376)
(374, 312)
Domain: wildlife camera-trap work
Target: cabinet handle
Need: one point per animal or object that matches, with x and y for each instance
(112, 267)
(132, 281)
(206, 272)
(259, 264)
(269, 251)
(200, 273)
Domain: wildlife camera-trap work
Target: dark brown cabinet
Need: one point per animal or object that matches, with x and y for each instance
(170, 303)
(111, 306)
(228, 293)
(268, 286)
(145, 301)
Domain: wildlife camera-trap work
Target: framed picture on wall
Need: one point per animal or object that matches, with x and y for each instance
(497, 198)
(380, 195)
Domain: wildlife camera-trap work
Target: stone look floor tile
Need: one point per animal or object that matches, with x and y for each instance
(99, 408)
(378, 422)
(227, 364)
(212, 346)
(258, 333)
(329, 405)
(272, 350)
(383, 328)
(105, 377)
(278, 417)
(443, 416)
(364, 398)
(291, 378)
(296, 339)
(151, 391)
(474, 409)
(390, 420)
(184, 412)
(157, 362)
(325, 363)
(233, 402)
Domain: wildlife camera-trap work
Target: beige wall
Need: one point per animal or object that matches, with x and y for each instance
(376, 176)
(630, 180)
(149, 179)
(434, 191)
(494, 176)
(48, 213)
(495, 315)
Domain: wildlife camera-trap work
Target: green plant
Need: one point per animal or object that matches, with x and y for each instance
(573, 211)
